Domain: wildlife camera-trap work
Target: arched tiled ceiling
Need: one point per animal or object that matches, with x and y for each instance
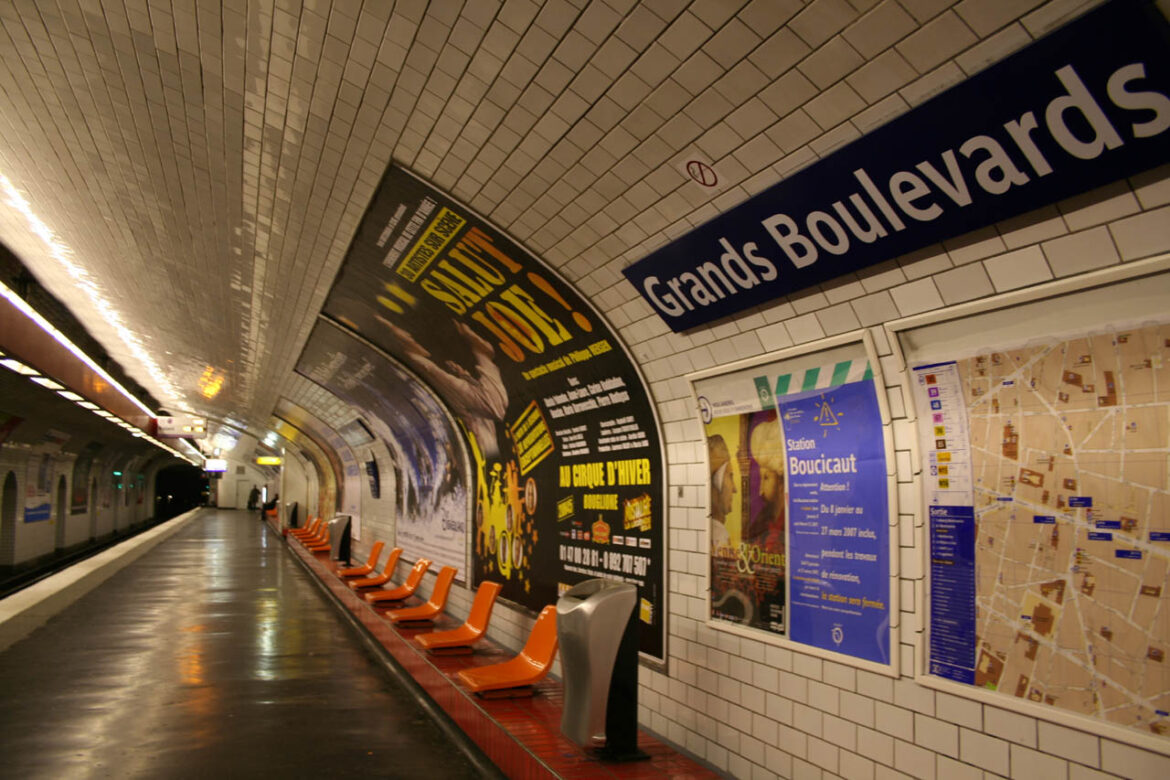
(310, 449)
(206, 164)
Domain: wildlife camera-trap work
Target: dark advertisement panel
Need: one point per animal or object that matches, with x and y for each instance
(1082, 107)
(561, 429)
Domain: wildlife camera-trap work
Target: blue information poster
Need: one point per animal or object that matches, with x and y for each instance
(839, 520)
(952, 602)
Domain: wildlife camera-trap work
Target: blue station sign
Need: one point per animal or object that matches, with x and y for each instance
(1082, 107)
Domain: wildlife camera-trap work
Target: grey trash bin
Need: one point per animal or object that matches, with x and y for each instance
(598, 635)
(339, 538)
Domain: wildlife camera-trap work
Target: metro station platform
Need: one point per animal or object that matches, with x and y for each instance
(213, 653)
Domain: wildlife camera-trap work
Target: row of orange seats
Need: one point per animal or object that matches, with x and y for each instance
(514, 677)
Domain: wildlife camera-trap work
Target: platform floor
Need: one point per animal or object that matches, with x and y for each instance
(215, 655)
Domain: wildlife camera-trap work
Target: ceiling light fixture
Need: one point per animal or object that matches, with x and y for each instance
(44, 381)
(18, 367)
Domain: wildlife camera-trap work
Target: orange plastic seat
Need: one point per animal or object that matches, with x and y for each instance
(321, 535)
(309, 530)
(516, 676)
(403, 591)
(367, 567)
(459, 640)
(425, 613)
(379, 579)
(319, 543)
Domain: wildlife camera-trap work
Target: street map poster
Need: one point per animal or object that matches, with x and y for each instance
(1045, 480)
(567, 461)
(799, 505)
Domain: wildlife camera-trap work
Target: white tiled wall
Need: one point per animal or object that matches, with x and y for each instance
(829, 719)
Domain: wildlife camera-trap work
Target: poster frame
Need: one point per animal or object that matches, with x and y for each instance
(864, 339)
(896, 332)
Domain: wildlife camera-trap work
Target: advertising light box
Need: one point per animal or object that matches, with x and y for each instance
(561, 431)
(799, 507)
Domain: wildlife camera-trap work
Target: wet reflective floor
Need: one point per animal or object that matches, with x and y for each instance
(214, 655)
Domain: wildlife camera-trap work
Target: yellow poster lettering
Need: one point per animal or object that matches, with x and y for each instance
(629, 472)
(553, 330)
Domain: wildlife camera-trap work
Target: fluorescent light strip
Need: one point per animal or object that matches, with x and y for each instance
(62, 253)
(44, 381)
(60, 338)
(15, 365)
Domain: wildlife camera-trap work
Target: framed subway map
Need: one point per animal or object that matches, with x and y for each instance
(1043, 436)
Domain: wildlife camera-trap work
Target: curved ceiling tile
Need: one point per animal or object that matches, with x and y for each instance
(341, 458)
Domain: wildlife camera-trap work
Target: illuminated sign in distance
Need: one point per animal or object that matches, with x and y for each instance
(269, 460)
(215, 464)
(182, 427)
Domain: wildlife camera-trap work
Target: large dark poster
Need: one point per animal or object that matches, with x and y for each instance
(562, 433)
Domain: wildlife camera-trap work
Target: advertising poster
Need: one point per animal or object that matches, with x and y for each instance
(40, 476)
(799, 512)
(1046, 470)
(747, 513)
(38, 502)
(79, 498)
(433, 517)
(563, 437)
(838, 520)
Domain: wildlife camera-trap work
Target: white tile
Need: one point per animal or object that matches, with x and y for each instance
(1079, 746)
(1020, 268)
(987, 16)
(822, 754)
(804, 329)
(916, 297)
(936, 42)
(880, 29)
(1142, 235)
(1133, 762)
(964, 283)
(936, 81)
(875, 745)
(1081, 252)
(1009, 725)
(779, 52)
(830, 63)
(975, 245)
(1031, 228)
(834, 105)
(913, 760)
(991, 50)
(1104, 204)
(1152, 187)
(936, 735)
(1028, 763)
(822, 19)
(837, 319)
(895, 721)
(882, 75)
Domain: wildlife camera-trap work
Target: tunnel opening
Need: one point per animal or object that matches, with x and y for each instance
(178, 489)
